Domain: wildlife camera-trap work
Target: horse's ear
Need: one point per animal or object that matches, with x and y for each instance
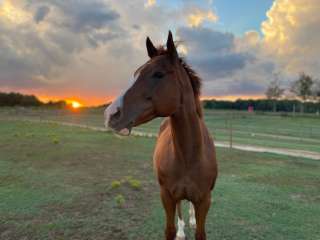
(171, 47)
(152, 51)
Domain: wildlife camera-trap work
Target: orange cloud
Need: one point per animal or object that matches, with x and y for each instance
(196, 18)
(150, 3)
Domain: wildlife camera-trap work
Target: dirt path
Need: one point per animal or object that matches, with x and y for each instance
(249, 148)
(276, 136)
(281, 151)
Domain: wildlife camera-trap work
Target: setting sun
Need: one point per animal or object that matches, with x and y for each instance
(75, 104)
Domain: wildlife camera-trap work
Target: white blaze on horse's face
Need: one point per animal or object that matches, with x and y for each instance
(115, 107)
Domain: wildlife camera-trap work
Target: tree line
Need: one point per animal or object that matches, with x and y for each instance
(17, 99)
(303, 95)
(305, 88)
(265, 105)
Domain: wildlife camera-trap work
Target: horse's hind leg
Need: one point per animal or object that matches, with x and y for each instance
(201, 210)
(180, 233)
(192, 216)
(170, 208)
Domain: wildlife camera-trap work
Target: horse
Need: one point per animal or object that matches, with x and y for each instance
(184, 156)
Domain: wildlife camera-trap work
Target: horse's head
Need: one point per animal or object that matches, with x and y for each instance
(155, 92)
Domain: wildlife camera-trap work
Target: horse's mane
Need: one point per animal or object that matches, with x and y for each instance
(195, 80)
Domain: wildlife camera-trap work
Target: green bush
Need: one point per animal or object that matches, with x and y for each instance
(55, 140)
(119, 199)
(135, 184)
(115, 184)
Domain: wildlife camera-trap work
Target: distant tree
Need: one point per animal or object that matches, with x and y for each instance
(316, 93)
(208, 104)
(302, 88)
(56, 104)
(274, 92)
(316, 90)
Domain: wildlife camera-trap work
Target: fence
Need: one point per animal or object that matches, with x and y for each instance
(232, 128)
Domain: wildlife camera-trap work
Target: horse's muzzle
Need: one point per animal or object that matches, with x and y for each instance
(114, 121)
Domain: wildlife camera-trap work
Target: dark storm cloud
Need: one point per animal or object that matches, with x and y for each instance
(245, 86)
(41, 13)
(87, 15)
(213, 52)
(206, 40)
(223, 65)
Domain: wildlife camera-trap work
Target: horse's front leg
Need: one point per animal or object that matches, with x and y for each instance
(201, 210)
(170, 208)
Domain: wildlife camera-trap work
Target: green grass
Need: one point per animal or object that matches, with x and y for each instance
(258, 129)
(63, 191)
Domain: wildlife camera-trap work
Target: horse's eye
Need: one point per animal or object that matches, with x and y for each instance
(158, 75)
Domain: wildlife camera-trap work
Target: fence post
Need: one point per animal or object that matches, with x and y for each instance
(230, 131)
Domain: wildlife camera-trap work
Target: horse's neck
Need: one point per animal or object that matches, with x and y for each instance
(186, 129)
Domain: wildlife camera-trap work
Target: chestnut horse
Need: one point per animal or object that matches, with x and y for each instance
(184, 156)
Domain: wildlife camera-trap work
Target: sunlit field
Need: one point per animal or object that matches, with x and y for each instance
(63, 182)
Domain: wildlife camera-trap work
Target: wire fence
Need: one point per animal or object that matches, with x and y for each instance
(281, 130)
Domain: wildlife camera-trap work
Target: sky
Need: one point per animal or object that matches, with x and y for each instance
(87, 50)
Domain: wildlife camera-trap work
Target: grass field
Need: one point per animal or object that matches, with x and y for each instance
(62, 183)
(257, 129)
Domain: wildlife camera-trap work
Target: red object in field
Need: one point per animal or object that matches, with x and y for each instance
(250, 109)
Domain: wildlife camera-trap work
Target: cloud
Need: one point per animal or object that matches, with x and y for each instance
(212, 52)
(150, 3)
(40, 39)
(229, 65)
(76, 48)
(86, 15)
(91, 48)
(291, 35)
(197, 16)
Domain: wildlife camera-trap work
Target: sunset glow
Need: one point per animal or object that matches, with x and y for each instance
(74, 104)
